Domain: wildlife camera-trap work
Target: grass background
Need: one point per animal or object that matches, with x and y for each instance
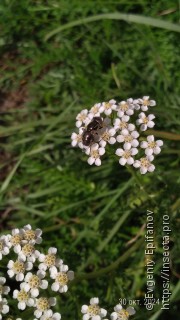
(90, 214)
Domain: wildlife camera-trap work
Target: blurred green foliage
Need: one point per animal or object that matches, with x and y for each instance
(88, 213)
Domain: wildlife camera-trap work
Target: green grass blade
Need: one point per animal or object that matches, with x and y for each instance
(158, 23)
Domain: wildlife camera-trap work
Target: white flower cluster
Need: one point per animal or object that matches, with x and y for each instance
(95, 312)
(35, 271)
(112, 123)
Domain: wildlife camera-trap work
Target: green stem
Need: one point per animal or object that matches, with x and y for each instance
(113, 266)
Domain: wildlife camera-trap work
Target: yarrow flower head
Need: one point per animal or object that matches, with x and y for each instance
(122, 314)
(24, 298)
(43, 305)
(108, 124)
(46, 270)
(61, 277)
(34, 282)
(93, 311)
(17, 268)
(49, 260)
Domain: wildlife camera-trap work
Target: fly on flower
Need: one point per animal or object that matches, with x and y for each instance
(113, 123)
(90, 134)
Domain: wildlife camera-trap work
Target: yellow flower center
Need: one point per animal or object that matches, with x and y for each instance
(18, 267)
(128, 138)
(94, 109)
(123, 315)
(152, 144)
(79, 138)
(124, 106)
(28, 249)
(50, 260)
(22, 295)
(107, 105)
(146, 102)
(145, 120)
(16, 239)
(29, 235)
(43, 304)
(126, 154)
(34, 281)
(93, 310)
(95, 154)
(82, 117)
(62, 278)
(144, 162)
(123, 125)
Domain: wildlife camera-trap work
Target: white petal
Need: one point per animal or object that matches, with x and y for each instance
(151, 116)
(130, 160)
(144, 108)
(151, 168)
(144, 144)
(120, 138)
(30, 302)
(86, 317)
(78, 124)
(102, 143)
(135, 134)
(157, 150)
(127, 146)
(96, 317)
(131, 311)
(44, 284)
(20, 276)
(149, 151)
(122, 161)
(101, 151)
(151, 124)
(91, 160)
(134, 151)
(120, 113)
(84, 308)
(150, 138)
(10, 273)
(74, 143)
(136, 164)
(15, 294)
(143, 170)
(94, 301)
(150, 158)
(119, 152)
(135, 143)
(21, 305)
(118, 307)
(114, 316)
(98, 162)
(143, 127)
(55, 286)
(152, 103)
(103, 312)
(34, 292)
(159, 143)
(131, 127)
(52, 250)
(112, 140)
